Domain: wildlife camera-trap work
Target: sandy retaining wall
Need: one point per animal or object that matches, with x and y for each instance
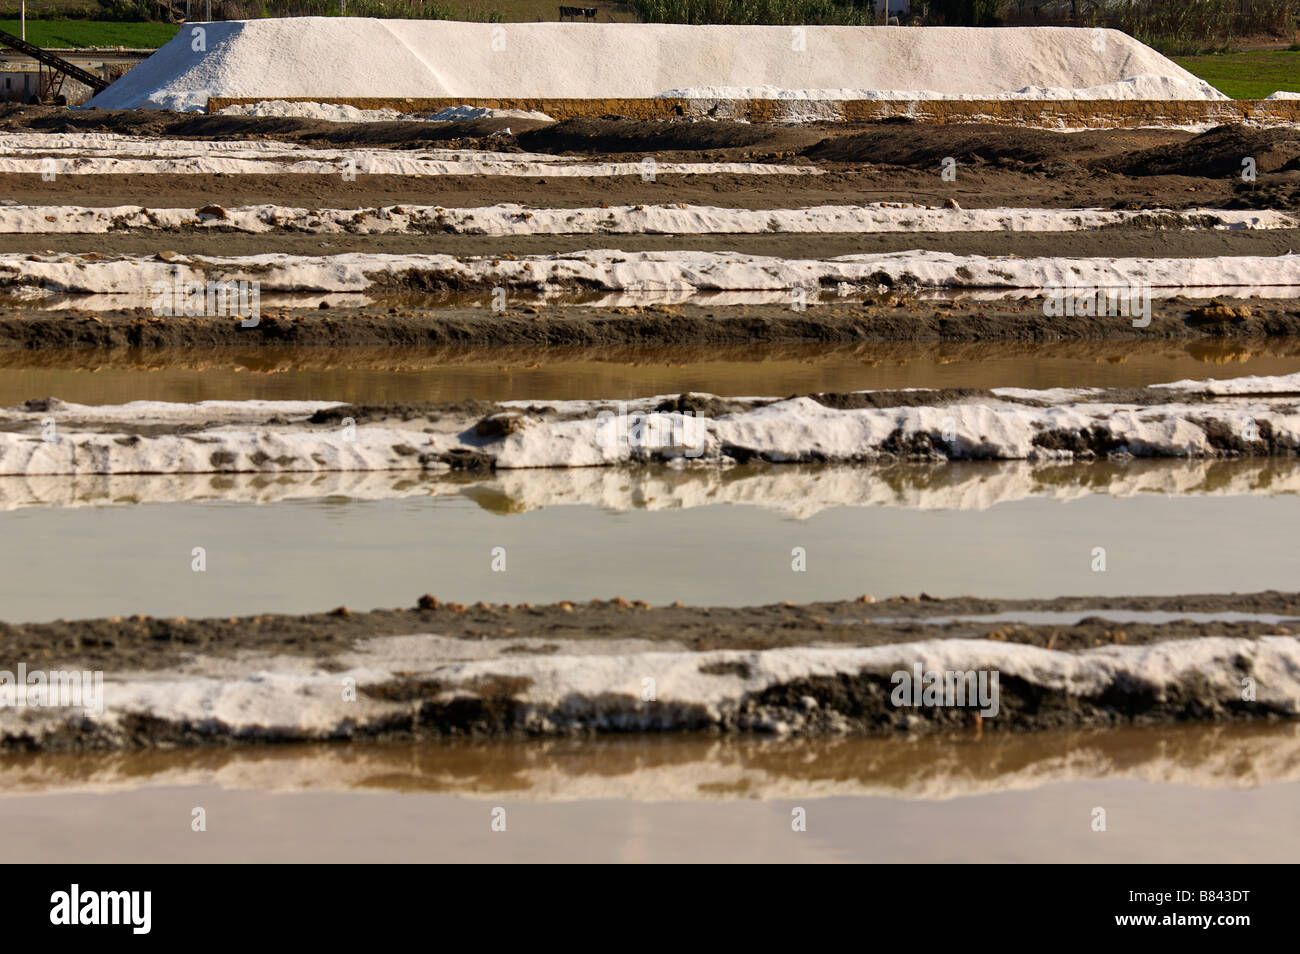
(1050, 113)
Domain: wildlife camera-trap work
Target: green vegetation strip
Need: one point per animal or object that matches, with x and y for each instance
(1247, 75)
(65, 34)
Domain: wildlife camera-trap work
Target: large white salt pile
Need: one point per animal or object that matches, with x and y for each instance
(338, 57)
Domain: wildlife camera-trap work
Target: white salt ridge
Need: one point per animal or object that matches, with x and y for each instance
(1146, 86)
(114, 154)
(342, 113)
(105, 144)
(1283, 94)
(376, 163)
(285, 698)
(1255, 384)
(797, 492)
(452, 113)
(785, 431)
(515, 219)
(324, 58)
(614, 270)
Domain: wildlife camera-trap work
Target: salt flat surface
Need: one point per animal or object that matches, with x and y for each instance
(336, 57)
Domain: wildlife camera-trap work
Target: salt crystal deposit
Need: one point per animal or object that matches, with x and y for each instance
(1238, 417)
(508, 219)
(287, 698)
(341, 113)
(671, 271)
(321, 58)
(1147, 86)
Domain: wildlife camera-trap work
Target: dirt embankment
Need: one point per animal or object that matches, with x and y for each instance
(145, 642)
(863, 162)
(889, 319)
(1138, 241)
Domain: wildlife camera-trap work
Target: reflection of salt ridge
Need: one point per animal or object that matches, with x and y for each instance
(614, 270)
(285, 698)
(802, 492)
(35, 299)
(681, 219)
(690, 770)
(799, 492)
(97, 490)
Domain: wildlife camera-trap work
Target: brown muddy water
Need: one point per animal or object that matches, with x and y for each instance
(1186, 793)
(85, 548)
(373, 376)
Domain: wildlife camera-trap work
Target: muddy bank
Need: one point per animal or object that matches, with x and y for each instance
(1118, 242)
(1274, 355)
(978, 186)
(1216, 153)
(867, 141)
(1137, 152)
(862, 163)
(152, 643)
(427, 685)
(891, 318)
(467, 133)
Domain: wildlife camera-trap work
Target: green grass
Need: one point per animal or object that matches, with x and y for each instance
(78, 33)
(752, 11)
(1247, 75)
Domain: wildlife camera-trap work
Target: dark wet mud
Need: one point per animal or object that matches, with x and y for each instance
(862, 163)
(598, 372)
(1135, 242)
(145, 642)
(888, 318)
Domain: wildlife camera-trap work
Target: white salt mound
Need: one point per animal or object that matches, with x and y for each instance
(1283, 94)
(1146, 86)
(338, 57)
(330, 112)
